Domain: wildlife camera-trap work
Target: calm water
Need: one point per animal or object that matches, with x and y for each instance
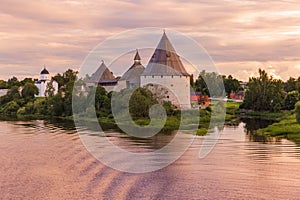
(43, 160)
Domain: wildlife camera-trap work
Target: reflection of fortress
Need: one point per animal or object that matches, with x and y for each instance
(164, 75)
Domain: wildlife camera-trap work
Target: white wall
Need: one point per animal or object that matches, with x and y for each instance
(44, 77)
(178, 85)
(43, 86)
(121, 85)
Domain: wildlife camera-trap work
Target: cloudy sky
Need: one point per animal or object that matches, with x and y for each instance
(240, 35)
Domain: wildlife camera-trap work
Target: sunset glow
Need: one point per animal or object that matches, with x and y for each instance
(241, 36)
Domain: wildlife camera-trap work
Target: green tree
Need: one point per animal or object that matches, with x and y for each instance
(102, 101)
(13, 82)
(169, 107)
(68, 77)
(55, 105)
(3, 84)
(297, 110)
(60, 80)
(66, 85)
(231, 84)
(13, 94)
(264, 93)
(140, 103)
(290, 100)
(10, 108)
(211, 79)
(29, 91)
(26, 80)
(49, 90)
(290, 85)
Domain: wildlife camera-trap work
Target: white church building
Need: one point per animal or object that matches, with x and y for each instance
(43, 81)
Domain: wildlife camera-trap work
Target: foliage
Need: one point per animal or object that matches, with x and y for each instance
(12, 82)
(287, 128)
(3, 84)
(10, 108)
(217, 84)
(26, 104)
(264, 93)
(29, 91)
(140, 103)
(67, 79)
(231, 85)
(201, 131)
(297, 111)
(26, 80)
(290, 85)
(267, 115)
(102, 101)
(210, 84)
(56, 105)
(169, 108)
(13, 94)
(290, 100)
(49, 90)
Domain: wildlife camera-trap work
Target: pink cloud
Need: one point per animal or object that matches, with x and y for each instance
(237, 34)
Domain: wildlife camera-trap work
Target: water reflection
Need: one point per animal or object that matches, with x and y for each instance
(252, 124)
(49, 157)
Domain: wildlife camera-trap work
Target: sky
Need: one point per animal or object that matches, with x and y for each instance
(241, 36)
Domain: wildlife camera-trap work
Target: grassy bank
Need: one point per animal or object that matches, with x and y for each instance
(172, 123)
(287, 128)
(267, 115)
(232, 111)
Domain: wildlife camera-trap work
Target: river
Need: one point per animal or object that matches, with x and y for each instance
(47, 160)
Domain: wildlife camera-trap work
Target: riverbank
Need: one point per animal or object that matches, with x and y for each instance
(287, 128)
(172, 123)
(266, 115)
(285, 125)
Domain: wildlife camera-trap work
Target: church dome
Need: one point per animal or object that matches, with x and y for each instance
(44, 71)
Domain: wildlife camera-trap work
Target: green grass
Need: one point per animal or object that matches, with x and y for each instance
(276, 116)
(232, 111)
(286, 128)
(202, 131)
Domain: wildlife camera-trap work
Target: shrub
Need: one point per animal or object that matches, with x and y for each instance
(290, 100)
(297, 111)
(10, 108)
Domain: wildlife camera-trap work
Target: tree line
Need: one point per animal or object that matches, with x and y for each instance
(20, 98)
(264, 93)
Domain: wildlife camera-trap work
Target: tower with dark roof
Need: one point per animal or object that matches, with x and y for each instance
(104, 77)
(44, 80)
(44, 75)
(167, 76)
(132, 77)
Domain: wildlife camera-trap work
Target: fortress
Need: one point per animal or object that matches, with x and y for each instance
(165, 76)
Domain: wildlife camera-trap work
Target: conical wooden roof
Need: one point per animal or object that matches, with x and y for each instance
(102, 74)
(135, 71)
(165, 61)
(137, 56)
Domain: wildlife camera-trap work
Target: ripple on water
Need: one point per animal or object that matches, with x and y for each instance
(40, 159)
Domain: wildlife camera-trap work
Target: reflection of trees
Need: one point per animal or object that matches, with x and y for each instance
(60, 123)
(251, 124)
(262, 138)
